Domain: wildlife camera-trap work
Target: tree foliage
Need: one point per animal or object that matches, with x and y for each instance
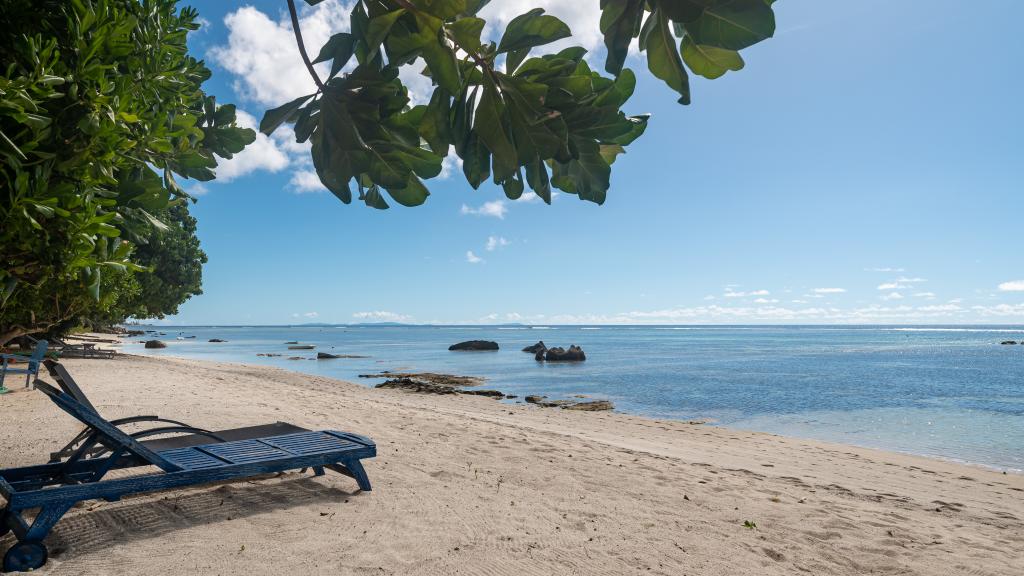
(545, 122)
(100, 107)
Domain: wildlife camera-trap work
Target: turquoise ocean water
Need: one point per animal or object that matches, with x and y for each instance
(950, 392)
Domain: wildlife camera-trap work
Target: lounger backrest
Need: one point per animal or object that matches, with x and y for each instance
(112, 435)
(60, 374)
(37, 354)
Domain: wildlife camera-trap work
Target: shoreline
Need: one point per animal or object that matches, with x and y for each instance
(469, 485)
(702, 420)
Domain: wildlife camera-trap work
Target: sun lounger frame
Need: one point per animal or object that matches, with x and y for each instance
(55, 487)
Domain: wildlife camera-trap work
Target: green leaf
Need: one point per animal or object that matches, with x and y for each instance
(466, 32)
(663, 58)
(443, 9)
(532, 29)
(379, 27)
(709, 61)
(733, 24)
(440, 57)
(277, 116)
(588, 176)
(413, 193)
(339, 50)
(684, 10)
(620, 23)
(490, 125)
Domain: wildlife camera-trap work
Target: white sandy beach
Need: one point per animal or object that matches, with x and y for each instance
(467, 485)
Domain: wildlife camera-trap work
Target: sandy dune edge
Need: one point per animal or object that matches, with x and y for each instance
(466, 485)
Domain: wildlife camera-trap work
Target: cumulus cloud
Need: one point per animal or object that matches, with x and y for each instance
(928, 295)
(893, 296)
(261, 51)
(582, 18)
(494, 208)
(891, 286)
(473, 258)
(305, 181)
(731, 293)
(1012, 286)
(828, 290)
(495, 242)
(381, 316)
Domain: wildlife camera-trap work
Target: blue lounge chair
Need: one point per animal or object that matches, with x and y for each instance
(193, 457)
(32, 362)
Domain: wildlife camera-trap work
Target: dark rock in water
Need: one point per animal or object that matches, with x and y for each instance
(1010, 343)
(292, 342)
(296, 358)
(326, 356)
(217, 340)
(302, 347)
(488, 393)
(510, 396)
(187, 337)
(535, 348)
(155, 344)
(473, 345)
(415, 386)
(131, 333)
(532, 399)
(592, 406)
(558, 354)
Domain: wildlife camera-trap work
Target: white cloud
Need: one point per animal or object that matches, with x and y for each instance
(828, 290)
(1001, 310)
(495, 242)
(1012, 286)
(262, 54)
(766, 301)
(381, 316)
(305, 181)
(905, 280)
(730, 293)
(582, 17)
(893, 296)
(495, 208)
(928, 295)
(891, 286)
(532, 198)
(473, 258)
(309, 315)
(197, 189)
(884, 269)
(263, 154)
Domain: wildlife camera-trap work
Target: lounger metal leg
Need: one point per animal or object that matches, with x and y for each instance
(356, 468)
(45, 521)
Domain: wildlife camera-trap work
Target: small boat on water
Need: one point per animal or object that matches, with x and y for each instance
(302, 347)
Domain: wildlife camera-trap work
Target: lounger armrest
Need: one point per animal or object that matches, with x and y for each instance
(353, 437)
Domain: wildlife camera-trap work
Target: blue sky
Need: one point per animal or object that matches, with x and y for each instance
(865, 167)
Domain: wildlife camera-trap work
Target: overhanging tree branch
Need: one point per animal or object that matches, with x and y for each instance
(302, 46)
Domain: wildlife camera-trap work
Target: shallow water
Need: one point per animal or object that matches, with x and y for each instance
(951, 392)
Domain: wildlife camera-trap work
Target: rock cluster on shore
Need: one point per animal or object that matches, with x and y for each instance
(155, 344)
(535, 348)
(433, 383)
(586, 406)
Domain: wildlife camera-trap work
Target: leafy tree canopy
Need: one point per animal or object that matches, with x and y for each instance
(545, 122)
(100, 107)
